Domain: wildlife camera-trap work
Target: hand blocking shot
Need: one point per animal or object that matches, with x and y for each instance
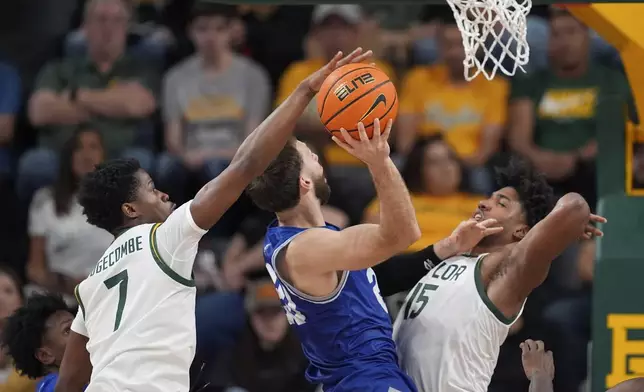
(324, 276)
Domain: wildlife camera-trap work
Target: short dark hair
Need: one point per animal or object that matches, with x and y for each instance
(103, 192)
(535, 194)
(278, 188)
(204, 8)
(24, 330)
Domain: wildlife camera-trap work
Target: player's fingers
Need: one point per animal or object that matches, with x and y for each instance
(539, 345)
(334, 63)
(492, 230)
(376, 131)
(349, 58)
(596, 232)
(597, 218)
(363, 132)
(488, 222)
(362, 57)
(387, 132)
(347, 138)
(529, 344)
(342, 144)
(522, 346)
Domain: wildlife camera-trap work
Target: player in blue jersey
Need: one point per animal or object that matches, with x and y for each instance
(323, 275)
(35, 337)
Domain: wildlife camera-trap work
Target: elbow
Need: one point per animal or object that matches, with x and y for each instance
(403, 238)
(575, 206)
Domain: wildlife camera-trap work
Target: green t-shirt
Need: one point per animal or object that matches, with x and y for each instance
(80, 72)
(566, 109)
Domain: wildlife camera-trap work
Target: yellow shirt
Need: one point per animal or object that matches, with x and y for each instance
(459, 111)
(437, 216)
(17, 383)
(297, 72)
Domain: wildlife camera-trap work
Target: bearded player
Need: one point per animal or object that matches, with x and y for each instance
(323, 275)
(135, 330)
(454, 321)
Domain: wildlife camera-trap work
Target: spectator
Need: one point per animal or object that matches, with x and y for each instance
(63, 247)
(471, 115)
(268, 356)
(211, 102)
(10, 95)
(35, 337)
(335, 27)
(108, 89)
(274, 35)
(146, 37)
(553, 111)
(434, 178)
(10, 300)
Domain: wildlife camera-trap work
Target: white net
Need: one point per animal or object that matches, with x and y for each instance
(494, 35)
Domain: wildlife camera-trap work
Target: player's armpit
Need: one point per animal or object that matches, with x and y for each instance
(527, 263)
(75, 368)
(320, 251)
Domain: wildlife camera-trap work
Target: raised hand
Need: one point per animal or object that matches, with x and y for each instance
(536, 360)
(470, 232)
(370, 151)
(315, 80)
(590, 230)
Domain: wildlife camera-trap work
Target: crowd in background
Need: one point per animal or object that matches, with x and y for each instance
(179, 84)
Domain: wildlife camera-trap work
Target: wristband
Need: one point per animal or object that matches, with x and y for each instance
(431, 259)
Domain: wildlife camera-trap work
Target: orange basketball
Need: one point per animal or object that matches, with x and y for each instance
(356, 93)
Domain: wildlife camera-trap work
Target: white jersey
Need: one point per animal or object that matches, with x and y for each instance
(137, 307)
(448, 332)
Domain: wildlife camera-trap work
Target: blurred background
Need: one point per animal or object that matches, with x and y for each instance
(178, 84)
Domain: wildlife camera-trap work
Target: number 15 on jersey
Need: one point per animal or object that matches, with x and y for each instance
(418, 299)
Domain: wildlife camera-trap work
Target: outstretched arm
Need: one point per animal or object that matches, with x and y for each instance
(321, 251)
(402, 272)
(526, 265)
(261, 147)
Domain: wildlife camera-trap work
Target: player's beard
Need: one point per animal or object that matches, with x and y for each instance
(322, 189)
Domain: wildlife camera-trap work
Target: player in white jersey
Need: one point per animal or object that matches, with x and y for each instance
(454, 321)
(135, 328)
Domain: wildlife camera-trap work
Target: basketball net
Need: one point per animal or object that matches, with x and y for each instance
(495, 30)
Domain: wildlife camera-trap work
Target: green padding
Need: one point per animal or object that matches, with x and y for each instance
(619, 294)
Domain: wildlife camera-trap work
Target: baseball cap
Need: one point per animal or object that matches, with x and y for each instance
(261, 294)
(351, 13)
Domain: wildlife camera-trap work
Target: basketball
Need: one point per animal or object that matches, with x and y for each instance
(356, 93)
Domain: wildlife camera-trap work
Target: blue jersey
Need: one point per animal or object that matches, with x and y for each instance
(347, 336)
(48, 383)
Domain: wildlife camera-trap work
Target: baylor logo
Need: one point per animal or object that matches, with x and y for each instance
(627, 355)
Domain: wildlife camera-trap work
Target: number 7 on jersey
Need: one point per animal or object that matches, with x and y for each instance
(119, 279)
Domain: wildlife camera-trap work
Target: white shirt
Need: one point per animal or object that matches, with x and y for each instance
(72, 245)
(137, 308)
(448, 332)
